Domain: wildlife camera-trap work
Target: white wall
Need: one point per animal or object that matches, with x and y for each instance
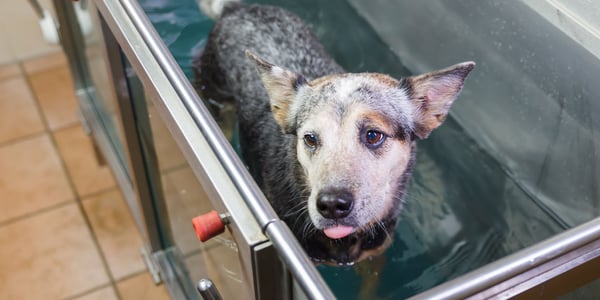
(20, 33)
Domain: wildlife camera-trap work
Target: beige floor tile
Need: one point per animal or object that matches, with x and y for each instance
(49, 256)
(169, 155)
(116, 232)
(185, 200)
(55, 93)
(107, 293)
(18, 113)
(9, 70)
(45, 62)
(31, 178)
(87, 174)
(142, 287)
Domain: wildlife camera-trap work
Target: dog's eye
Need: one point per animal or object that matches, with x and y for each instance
(310, 139)
(374, 138)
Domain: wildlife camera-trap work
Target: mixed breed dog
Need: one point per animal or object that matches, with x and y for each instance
(332, 151)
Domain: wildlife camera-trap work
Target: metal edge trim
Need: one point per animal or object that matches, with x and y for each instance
(512, 265)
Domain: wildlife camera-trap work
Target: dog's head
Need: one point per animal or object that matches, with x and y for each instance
(355, 142)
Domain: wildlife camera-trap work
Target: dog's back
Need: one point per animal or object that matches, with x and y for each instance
(224, 73)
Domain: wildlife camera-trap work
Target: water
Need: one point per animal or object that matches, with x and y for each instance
(182, 27)
(463, 209)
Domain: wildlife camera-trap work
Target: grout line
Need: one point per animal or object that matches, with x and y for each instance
(167, 171)
(37, 212)
(103, 191)
(73, 188)
(75, 124)
(133, 274)
(92, 290)
(10, 76)
(70, 125)
(59, 61)
(116, 290)
(23, 138)
(36, 102)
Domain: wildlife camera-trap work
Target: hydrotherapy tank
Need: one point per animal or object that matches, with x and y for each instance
(514, 165)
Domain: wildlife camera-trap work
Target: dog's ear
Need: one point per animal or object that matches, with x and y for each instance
(281, 85)
(433, 94)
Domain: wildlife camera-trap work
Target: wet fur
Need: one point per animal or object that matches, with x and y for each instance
(269, 132)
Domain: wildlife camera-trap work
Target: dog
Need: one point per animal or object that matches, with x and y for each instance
(332, 151)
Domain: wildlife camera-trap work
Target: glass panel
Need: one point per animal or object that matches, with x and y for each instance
(100, 87)
(216, 259)
(184, 198)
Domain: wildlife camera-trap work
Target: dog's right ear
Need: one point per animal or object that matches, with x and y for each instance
(281, 85)
(433, 94)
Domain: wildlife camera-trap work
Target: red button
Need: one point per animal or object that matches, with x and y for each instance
(208, 225)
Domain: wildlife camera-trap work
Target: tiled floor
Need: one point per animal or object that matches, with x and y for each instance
(65, 231)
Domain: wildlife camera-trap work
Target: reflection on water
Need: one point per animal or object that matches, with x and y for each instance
(182, 27)
(462, 210)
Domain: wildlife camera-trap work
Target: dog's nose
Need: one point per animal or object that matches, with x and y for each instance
(335, 204)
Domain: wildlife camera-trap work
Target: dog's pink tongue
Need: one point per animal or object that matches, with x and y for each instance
(337, 231)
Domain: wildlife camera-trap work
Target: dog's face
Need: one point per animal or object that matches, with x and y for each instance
(356, 140)
(354, 145)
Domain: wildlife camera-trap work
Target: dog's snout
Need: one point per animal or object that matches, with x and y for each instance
(335, 204)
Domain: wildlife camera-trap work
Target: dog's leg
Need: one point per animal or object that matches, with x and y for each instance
(370, 270)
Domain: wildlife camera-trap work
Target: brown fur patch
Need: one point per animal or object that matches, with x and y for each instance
(378, 120)
(321, 81)
(385, 79)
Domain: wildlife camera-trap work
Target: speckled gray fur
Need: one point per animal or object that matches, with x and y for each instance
(226, 73)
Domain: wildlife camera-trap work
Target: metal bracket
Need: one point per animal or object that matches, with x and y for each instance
(151, 265)
(208, 290)
(83, 121)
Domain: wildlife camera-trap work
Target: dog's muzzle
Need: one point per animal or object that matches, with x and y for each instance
(335, 205)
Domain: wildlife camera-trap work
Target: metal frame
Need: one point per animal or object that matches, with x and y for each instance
(156, 88)
(140, 156)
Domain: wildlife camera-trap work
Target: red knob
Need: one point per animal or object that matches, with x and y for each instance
(208, 225)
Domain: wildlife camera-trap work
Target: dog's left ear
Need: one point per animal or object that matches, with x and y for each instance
(433, 94)
(281, 85)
